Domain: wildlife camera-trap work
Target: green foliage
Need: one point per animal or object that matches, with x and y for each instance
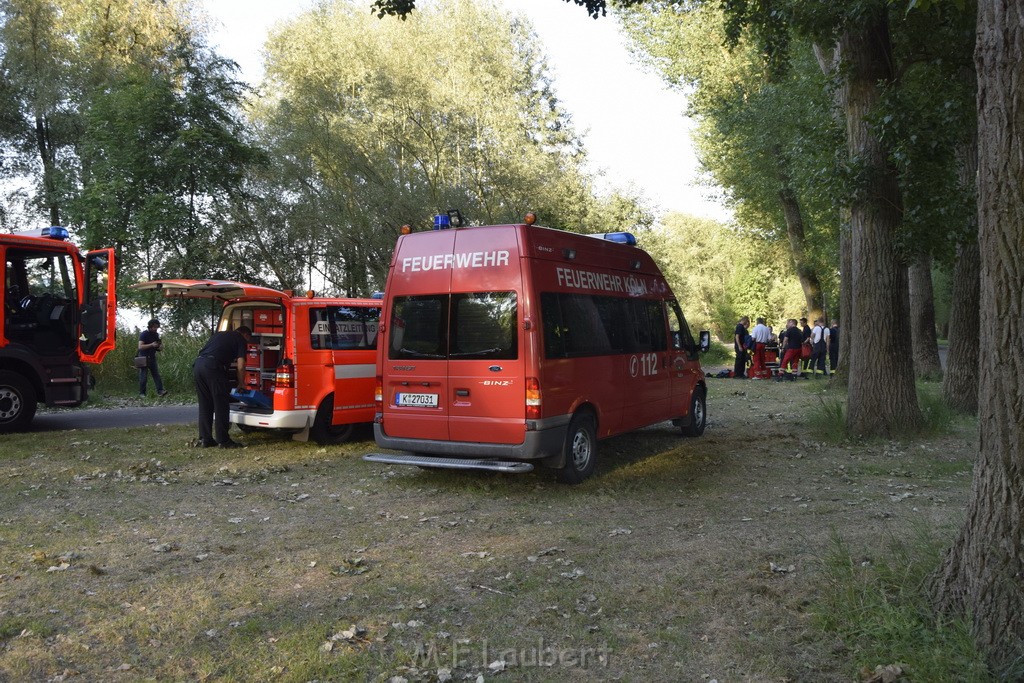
(373, 126)
(116, 376)
(877, 604)
(720, 275)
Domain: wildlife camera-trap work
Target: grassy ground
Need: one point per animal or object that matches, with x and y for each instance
(749, 554)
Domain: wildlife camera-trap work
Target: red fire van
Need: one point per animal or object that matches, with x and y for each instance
(509, 345)
(59, 309)
(311, 362)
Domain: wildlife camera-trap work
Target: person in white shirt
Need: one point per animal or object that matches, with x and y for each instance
(761, 335)
(819, 349)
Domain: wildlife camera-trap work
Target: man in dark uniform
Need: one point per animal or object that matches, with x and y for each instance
(210, 374)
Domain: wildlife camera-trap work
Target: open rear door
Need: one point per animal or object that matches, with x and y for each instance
(98, 306)
(223, 290)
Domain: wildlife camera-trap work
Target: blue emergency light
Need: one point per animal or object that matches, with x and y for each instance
(55, 232)
(442, 221)
(627, 238)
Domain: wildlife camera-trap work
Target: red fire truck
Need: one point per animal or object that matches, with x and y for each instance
(509, 345)
(311, 362)
(59, 313)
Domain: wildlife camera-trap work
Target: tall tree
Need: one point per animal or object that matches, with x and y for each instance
(763, 131)
(382, 127)
(981, 574)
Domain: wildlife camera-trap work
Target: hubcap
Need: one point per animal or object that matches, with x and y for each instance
(580, 449)
(10, 404)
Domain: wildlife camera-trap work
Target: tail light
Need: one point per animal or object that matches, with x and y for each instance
(285, 376)
(532, 398)
(378, 393)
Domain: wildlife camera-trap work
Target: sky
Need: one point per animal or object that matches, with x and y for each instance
(634, 127)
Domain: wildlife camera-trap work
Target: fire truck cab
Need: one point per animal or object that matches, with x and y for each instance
(310, 365)
(507, 346)
(59, 312)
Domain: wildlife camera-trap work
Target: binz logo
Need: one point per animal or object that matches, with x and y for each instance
(407, 368)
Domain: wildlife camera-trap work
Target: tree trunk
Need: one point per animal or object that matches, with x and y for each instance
(981, 574)
(47, 158)
(881, 396)
(922, 319)
(846, 321)
(960, 381)
(795, 229)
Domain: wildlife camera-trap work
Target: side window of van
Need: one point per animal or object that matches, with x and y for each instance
(339, 328)
(586, 325)
(679, 330)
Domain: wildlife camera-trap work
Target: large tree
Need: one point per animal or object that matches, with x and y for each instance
(981, 575)
(382, 123)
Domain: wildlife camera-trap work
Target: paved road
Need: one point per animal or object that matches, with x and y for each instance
(98, 418)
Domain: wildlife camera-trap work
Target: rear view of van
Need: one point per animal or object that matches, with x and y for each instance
(311, 362)
(508, 346)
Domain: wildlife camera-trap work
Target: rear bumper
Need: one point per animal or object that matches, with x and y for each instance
(271, 419)
(543, 442)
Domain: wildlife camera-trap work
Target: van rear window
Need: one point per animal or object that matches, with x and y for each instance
(467, 326)
(340, 328)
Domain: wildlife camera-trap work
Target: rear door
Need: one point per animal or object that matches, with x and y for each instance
(486, 369)
(415, 359)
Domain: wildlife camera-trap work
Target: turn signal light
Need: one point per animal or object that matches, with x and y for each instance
(532, 398)
(285, 377)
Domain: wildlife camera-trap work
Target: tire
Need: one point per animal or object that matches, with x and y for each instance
(17, 402)
(698, 415)
(323, 432)
(580, 450)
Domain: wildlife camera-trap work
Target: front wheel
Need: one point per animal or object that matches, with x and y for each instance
(698, 415)
(580, 450)
(17, 402)
(325, 433)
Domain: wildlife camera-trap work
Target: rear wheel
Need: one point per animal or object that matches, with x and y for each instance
(698, 415)
(580, 449)
(323, 432)
(17, 402)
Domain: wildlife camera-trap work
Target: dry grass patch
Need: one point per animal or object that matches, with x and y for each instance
(681, 559)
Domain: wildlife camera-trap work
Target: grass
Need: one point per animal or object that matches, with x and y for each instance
(877, 605)
(254, 564)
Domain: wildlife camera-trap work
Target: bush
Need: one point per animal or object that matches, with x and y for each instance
(116, 376)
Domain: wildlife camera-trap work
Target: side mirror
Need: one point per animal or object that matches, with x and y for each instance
(705, 341)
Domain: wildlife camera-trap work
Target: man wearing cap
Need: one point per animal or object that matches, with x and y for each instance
(149, 344)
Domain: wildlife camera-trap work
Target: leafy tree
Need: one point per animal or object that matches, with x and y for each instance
(378, 124)
(163, 154)
(764, 131)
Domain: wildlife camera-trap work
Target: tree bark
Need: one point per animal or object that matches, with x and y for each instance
(981, 574)
(960, 381)
(881, 396)
(795, 230)
(923, 336)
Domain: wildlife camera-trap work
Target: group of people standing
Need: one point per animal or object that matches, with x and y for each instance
(804, 351)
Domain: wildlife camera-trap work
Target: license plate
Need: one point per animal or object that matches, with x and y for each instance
(421, 400)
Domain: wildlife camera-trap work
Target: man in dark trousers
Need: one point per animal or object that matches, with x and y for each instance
(210, 374)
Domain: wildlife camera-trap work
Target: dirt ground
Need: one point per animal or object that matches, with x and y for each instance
(125, 555)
